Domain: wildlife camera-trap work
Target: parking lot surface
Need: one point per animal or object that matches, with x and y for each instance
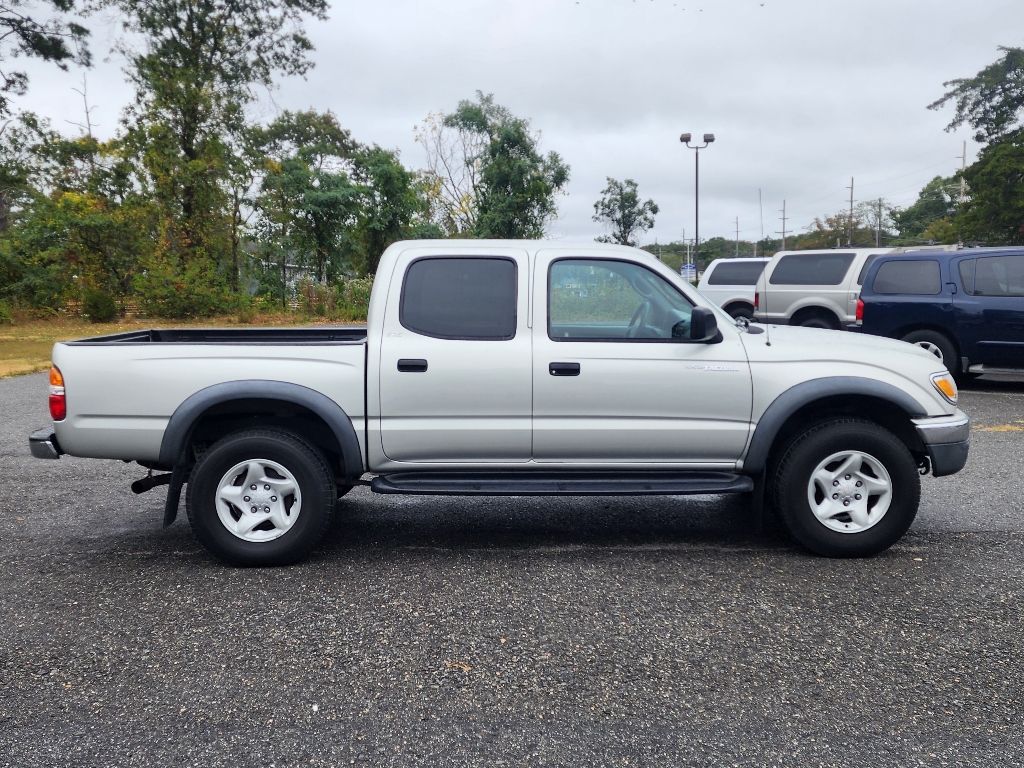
(439, 631)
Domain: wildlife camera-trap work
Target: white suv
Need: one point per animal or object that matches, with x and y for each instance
(730, 284)
(815, 289)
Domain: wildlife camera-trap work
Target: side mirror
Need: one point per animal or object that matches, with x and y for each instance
(704, 326)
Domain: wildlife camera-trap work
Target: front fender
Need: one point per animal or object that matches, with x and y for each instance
(796, 397)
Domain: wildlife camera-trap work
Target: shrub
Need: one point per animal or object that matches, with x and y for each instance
(6, 315)
(98, 306)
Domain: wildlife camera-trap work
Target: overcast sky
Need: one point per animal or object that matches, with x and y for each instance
(800, 94)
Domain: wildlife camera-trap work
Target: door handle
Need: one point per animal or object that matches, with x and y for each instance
(412, 366)
(952, 288)
(564, 369)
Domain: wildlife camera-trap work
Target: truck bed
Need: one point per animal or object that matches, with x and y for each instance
(309, 335)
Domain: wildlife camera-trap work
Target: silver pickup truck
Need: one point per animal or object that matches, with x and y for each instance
(513, 368)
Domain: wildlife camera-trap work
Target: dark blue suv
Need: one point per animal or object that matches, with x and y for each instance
(965, 306)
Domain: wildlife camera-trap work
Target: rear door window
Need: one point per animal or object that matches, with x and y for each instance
(736, 273)
(913, 278)
(460, 298)
(998, 276)
(812, 269)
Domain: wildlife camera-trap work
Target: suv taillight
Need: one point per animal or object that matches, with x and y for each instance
(860, 310)
(58, 400)
(757, 300)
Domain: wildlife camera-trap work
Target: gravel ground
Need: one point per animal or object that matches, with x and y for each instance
(435, 632)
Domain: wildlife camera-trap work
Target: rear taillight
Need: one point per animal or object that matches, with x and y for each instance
(757, 300)
(58, 400)
(860, 311)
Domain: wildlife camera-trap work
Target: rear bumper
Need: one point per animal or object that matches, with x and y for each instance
(44, 445)
(947, 442)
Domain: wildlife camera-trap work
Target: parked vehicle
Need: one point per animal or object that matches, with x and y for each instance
(512, 368)
(730, 284)
(815, 289)
(966, 307)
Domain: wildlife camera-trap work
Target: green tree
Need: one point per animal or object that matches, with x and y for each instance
(994, 211)
(991, 101)
(620, 209)
(195, 71)
(514, 185)
(937, 200)
(393, 206)
(55, 39)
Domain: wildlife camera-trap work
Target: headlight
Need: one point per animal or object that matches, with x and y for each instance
(946, 385)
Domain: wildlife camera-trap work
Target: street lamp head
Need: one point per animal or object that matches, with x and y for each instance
(709, 138)
(685, 138)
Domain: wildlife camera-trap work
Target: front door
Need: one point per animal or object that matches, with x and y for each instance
(615, 377)
(455, 364)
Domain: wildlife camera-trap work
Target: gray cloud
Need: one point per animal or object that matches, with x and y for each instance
(801, 95)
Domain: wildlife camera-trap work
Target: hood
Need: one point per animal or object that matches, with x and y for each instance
(807, 344)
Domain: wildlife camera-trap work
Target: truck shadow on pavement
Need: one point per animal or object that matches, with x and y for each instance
(366, 521)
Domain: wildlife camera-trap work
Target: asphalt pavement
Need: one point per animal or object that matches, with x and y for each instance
(519, 632)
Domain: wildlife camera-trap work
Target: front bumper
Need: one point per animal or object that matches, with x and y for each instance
(947, 442)
(44, 445)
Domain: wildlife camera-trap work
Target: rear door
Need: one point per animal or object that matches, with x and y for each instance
(455, 365)
(990, 309)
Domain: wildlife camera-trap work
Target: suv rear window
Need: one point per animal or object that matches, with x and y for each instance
(812, 269)
(460, 298)
(914, 278)
(993, 276)
(736, 273)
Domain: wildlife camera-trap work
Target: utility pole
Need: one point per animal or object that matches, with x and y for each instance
(760, 211)
(783, 233)
(963, 167)
(849, 237)
(737, 235)
(878, 225)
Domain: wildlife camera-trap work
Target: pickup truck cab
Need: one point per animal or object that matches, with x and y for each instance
(965, 306)
(513, 368)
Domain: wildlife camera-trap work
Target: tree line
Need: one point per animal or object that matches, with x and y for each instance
(194, 209)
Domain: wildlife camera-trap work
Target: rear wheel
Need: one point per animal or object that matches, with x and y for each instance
(937, 344)
(817, 319)
(740, 310)
(847, 488)
(262, 497)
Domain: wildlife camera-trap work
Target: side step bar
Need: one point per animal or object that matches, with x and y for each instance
(561, 483)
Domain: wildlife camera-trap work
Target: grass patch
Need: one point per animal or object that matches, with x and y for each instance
(26, 346)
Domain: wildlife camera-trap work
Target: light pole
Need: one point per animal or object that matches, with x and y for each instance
(685, 139)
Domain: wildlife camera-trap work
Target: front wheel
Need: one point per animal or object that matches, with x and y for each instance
(847, 488)
(261, 497)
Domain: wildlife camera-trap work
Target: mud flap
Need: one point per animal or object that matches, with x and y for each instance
(173, 494)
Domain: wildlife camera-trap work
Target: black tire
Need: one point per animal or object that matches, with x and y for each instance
(740, 310)
(936, 342)
(806, 452)
(820, 319)
(300, 458)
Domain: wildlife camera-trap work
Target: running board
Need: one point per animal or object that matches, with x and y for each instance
(561, 483)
